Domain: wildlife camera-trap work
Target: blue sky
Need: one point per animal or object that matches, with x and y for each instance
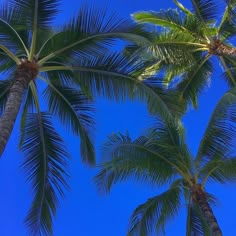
(84, 212)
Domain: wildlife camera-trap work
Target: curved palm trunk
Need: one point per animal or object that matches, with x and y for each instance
(200, 198)
(25, 72)
(220, 49)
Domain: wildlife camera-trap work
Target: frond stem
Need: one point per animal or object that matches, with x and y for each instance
(10, 54)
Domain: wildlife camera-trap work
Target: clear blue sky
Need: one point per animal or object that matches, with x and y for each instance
(84, 212)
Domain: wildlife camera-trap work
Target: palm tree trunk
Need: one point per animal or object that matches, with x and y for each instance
(25, 72)
(220, 49)
(200, 198)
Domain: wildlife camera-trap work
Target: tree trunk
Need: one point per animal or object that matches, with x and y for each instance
(25, 72)
(220, 49)
(200, 198)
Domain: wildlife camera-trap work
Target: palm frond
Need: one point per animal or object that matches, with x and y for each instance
(28, 107)
(39, 13)
(196, 224)
(172, 97)
(13, 31)
(227, 26)
(115, 77)
(75, 111)
(229, 67)
(173, 20)
(219, 137)
(45, 166)
(156, 212)
(219, 169)
(205, 10)
(123, 159)
(195, 80)
(90, 32)
(172, 47)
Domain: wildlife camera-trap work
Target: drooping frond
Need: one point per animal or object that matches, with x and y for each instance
(115, 77)
(123, 159)
(28, 107)
(205, 10)
(195, 80)
(171, 97)
(229, 67)
(75, 111)
(151, 217)
(219, 137)
(45, 166)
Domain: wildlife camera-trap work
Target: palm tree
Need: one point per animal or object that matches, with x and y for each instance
(161, 157)
(186, 44)
(56, 72)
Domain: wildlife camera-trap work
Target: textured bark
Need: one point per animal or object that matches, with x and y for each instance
(24, 74)
(200, 198)
(219, 49)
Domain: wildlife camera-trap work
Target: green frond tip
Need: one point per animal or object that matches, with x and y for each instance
(181, 7)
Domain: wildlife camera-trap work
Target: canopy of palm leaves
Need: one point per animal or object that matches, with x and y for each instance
(161, 158)
(186, 42)
(57, 72)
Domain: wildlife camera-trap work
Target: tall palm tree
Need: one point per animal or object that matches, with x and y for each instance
(186, 44)
(161, 158)
(50, 72)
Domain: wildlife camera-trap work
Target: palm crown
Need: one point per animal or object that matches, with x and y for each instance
(57, 72)
(186, 43)
(161, 157)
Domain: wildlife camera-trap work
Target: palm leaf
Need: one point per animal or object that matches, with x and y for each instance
(88, 33)
(195, 80)
(75, 112)
(13, 31)
(156, 212)
(219, 137)
(36, 13)
(229, 74)
(172, 20)
(115, 77)
(122, 159)
(227, 26)
(219, 169)
(45, 167)
(205, 10)
(172, 47)
(196, 224)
